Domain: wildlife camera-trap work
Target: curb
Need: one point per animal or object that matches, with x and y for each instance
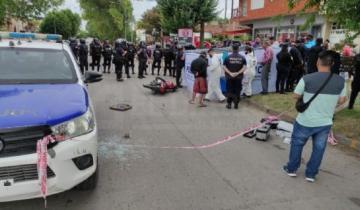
(352, 144)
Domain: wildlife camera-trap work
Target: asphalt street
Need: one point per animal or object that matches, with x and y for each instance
(242, 174)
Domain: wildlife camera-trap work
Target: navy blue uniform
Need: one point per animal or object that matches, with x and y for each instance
(157, 55)
(118, 60)
(180, 63)
(95, 51)
(355, 87)
(83, 57)
(142, 56)
(169, 56)
(107, 54)
(234, 63)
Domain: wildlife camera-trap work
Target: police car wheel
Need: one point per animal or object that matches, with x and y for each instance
(90, 183)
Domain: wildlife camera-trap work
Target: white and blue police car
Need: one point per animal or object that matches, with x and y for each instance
(42, 92)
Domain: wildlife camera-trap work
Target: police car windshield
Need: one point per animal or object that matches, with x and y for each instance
(35, 66)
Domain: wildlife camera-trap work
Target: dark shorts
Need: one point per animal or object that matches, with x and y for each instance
(200, 85)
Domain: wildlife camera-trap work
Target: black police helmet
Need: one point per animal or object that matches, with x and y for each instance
(203, 54)
(142, 44)
(236, 47)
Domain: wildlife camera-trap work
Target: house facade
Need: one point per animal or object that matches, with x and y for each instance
(15, 25)
(272, 18)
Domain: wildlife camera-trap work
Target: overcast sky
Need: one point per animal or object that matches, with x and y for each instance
(140, 6)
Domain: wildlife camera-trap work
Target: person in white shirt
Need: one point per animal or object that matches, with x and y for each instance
(214, 74)
(250, 71)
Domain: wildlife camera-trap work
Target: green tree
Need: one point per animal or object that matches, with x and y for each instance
(150, 20)
(206, 12)
(62, 22)
(25, 9)
(107, 19)
(177, 14)
(343, 12)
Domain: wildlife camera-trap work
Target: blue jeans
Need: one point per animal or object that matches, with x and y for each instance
(300, 136)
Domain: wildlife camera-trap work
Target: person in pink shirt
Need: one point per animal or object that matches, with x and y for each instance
(347, 51)
(267, 60)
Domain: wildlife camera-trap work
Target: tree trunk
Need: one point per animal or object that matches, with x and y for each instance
(202, 34)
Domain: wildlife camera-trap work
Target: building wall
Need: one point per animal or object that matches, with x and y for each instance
(291, 20)
(273, 18)
(290, 25)
(268, 8)
(13, 25)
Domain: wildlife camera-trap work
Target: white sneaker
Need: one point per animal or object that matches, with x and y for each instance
(312, 180)
(291, 174)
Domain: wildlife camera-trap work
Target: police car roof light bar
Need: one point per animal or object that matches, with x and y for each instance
(33, 36)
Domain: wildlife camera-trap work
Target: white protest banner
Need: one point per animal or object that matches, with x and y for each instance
(188, 77)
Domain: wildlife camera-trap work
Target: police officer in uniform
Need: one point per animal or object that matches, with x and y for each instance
(83, 56)
(168, 55)
(297, 67)
(157, 55)
(355, 87)
(74, 47)
(125, 47)
(234, 66)
(142, 57)
(180, 63)
(131, 56)
(107, 52)
(174, 60)
(95, 52)
(118, 60)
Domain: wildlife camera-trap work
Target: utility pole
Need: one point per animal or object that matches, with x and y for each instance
(226, 3)
(232, 9)
(125, 20)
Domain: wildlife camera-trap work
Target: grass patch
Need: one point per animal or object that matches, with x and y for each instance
(347, 122)
(277, 102)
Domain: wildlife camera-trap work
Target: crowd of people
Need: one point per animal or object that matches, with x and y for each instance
(306, 67)
(295, 59)
(311, 71)
(122, 54)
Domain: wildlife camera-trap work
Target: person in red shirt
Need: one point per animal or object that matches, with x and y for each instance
(268, 57)
(199, 69)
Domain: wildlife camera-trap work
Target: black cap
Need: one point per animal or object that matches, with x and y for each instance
(203, 54)
(236, 47)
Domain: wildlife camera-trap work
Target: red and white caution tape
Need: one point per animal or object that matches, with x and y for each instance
(42, 162)
(43, 143)
(224, 140)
